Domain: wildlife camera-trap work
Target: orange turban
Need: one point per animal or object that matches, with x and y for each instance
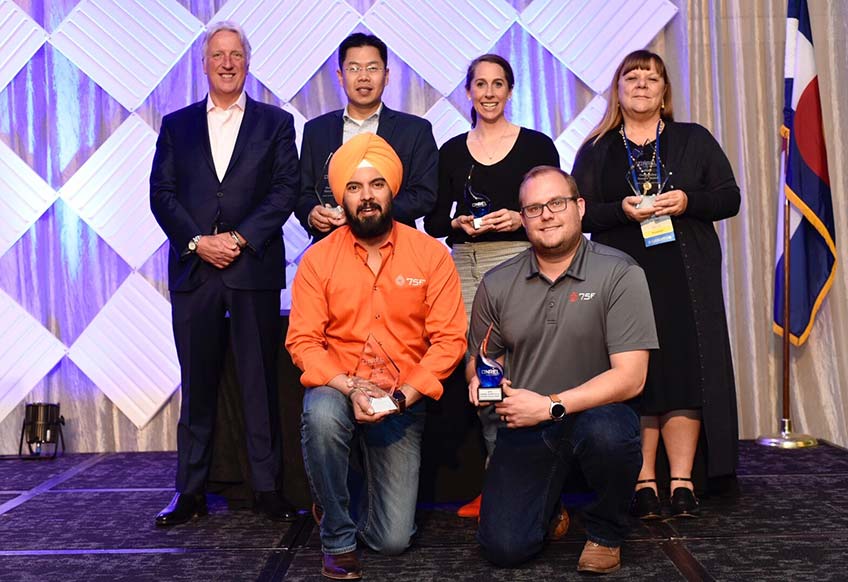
(365, 147)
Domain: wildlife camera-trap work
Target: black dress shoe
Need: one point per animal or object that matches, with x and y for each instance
(274, 506)
(183, 507)
(341, 566)
(684, 503)
(645, 504)
(683, 500)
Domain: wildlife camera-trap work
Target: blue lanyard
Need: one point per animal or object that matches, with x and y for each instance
(656, 156)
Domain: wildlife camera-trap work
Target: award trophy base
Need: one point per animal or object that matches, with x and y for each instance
(490, 394)
(786, 439)
(478, 222)
(383, 404)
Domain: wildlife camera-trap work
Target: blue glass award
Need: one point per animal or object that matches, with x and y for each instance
(490, 373)
(479, 204)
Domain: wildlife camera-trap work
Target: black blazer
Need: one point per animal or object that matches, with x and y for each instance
(256, 196)
(409, 135)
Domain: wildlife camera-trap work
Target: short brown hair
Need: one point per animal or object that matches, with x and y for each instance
(541, 170)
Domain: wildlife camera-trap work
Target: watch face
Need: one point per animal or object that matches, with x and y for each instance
(557, 410)
(192, 246)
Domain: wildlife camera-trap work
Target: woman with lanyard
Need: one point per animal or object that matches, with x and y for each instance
(479, 175)
(653, 188)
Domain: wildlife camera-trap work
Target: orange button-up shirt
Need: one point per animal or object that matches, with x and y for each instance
(413, 307)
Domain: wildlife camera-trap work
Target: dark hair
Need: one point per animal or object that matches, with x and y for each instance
(358, 39)
(641, 59)
(541, 170)
(488, 58)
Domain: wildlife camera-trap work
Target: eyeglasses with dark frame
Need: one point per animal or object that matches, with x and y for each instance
(554, 205)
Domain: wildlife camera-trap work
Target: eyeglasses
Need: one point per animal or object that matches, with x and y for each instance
(369, 70)
(554, 205)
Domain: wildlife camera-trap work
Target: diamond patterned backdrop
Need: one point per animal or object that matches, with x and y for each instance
(77, 184)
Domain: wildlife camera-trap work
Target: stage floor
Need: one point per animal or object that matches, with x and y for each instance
(90, 517)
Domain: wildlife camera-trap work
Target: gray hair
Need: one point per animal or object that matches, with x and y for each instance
(230, 26)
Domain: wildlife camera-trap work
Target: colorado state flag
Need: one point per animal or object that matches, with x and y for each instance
(806, 184)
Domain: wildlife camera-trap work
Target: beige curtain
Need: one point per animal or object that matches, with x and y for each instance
(726, 62)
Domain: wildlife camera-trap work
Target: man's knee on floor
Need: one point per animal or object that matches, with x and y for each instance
(507, 551)
(393, 543)
(507, 556)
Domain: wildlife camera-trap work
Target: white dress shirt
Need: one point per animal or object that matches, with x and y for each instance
(224, 126)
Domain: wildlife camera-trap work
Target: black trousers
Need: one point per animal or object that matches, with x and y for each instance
(201, 334)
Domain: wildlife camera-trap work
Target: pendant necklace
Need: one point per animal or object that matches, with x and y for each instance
(655, 161)
(497, 141)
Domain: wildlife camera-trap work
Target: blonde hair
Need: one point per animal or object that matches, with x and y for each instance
(641, 59)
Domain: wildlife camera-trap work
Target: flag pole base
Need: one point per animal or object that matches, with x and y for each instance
(786, 439)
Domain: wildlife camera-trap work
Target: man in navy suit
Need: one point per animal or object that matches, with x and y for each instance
(364, 75)
(224, 180)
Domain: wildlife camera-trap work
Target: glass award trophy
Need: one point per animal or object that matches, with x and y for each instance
(479, 204)
(647, 179)
(489, 372)
(323, 191)
(382, 377)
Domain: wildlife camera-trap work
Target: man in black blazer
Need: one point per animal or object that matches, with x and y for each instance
(364, 75)
(224, 180)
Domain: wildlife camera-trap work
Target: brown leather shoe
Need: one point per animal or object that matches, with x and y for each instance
(342, 566)
(559, 525)
(599, 559)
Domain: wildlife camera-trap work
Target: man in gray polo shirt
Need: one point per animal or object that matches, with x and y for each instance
(572, 325)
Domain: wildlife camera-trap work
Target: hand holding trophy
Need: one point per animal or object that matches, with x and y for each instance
(378, 377)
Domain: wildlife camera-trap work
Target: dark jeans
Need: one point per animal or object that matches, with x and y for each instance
(529, 467)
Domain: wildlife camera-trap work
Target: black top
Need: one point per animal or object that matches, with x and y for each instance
(499, 181)
(693, 367)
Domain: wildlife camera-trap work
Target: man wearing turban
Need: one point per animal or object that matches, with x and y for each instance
(377, 322)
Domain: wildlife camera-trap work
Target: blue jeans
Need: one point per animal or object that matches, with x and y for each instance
(391, 458)
(529, 467)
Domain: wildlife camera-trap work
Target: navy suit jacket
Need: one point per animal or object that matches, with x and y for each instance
(410, 136)
(256, 196)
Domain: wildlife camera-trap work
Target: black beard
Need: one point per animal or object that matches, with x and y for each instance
(373, 226)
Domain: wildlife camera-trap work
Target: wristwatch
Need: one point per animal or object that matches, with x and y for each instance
(557, 408)
(400, 399)
(192, 244)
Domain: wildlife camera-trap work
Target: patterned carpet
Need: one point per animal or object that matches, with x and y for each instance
(90, 517)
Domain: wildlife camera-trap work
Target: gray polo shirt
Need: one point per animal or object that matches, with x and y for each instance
(557, 335)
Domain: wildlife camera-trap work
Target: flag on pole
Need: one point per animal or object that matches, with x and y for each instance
(806, 184)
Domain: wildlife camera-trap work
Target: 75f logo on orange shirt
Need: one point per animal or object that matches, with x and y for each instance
(575, 296)
(401, 281)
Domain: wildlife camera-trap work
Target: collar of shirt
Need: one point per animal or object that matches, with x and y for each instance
(374, 117)
(240, 103)
(577, 268)
(388, 244)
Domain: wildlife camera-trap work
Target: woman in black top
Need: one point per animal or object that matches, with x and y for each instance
(637, 148)
(492, 159)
